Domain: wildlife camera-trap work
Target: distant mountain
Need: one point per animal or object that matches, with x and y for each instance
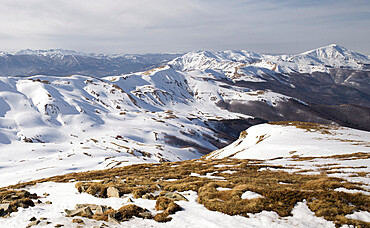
(66, 62)
(318, 60)
(330, 75)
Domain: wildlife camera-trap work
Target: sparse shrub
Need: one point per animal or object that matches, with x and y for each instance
(162, 203)
(128, 211)
(140, 192)
(173, 208)
(162, 217)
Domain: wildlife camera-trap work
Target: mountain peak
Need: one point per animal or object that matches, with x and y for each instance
(333, 45)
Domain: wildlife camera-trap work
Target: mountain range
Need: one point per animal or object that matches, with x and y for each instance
(212, 125)
(182, 109)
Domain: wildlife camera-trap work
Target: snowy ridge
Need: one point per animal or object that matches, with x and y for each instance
(322, 59)
(54, 125)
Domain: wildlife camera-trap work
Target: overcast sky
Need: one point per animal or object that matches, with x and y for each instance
(144, 26)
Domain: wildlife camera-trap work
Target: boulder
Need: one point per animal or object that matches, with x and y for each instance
(146, 215)
(33, 223)
(100, 209)
(113, 192)
(84, 212)
(113, 220)
(5, 206)
(92, 206)
(79, 221)
(174, 196)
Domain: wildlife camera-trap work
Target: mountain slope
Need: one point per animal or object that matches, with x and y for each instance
(272, 140)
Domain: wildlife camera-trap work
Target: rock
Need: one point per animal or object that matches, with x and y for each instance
(92, 206)
(129, 200)
(84, 187)
(113, 220)
(25, 203)
(43, 218)
(79, 221)
(147, 196)
(113, 192)
(58, 225)
(48, 202)
(5, 206)
(160, 187)
(84, 212)
(146, 215)
(14, 197)
(33, 219)
(34, 223)
(38, 201)
(46, 194)
(100, 209)
(101, 226)
(174, 196)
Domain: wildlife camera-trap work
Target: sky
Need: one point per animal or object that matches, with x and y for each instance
(148, 26)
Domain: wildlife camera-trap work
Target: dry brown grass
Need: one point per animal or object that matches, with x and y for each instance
(321, 128)
(141, 179)
(15, 199)
(353, 156)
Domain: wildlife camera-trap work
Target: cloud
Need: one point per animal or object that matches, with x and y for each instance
(115, 26)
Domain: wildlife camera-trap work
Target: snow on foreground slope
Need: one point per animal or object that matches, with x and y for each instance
(286, 139)
(270, 192)
(65, 195)
(305, 148)
(56, 125)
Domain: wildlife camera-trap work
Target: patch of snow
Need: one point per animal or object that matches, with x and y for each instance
(208, 175)
(353, 191)
(229, 171)
(171, 180)
(360, 215)
(251, 195)
(223, 189)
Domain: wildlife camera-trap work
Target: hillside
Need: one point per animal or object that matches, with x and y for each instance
(300, 189)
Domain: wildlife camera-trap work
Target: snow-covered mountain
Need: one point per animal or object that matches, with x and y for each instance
(59, 124)
(318, 60)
